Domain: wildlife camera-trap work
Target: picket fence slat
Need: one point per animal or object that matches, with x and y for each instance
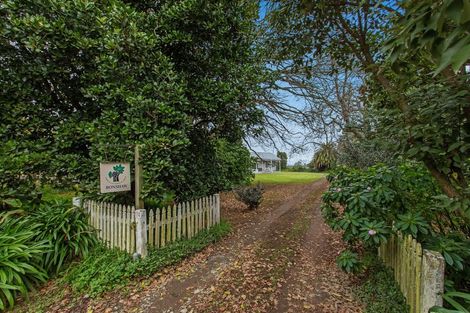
(105, 220)
(173, 223)
(158, 224)
(178, 225)
(190, 219)
(129, 229)
(167, 225)
(201, 214)
(151, 228)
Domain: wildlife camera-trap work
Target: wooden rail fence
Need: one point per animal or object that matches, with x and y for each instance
(418, 272)
(132, 230)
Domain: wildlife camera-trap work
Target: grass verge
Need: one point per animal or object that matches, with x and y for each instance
(379, 292)
(287, 178)
(106, 269)
(49, 193)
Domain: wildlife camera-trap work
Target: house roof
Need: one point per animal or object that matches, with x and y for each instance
(265, 156)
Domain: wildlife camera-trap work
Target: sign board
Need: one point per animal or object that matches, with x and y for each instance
(115, 177)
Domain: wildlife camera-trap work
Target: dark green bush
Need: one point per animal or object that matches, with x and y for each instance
(458, 301)
(39, 241)
(186, 79)
(368, 205)
(67, 230)
(349, 262)
(250, 195)
(454, 248)
(20, 258)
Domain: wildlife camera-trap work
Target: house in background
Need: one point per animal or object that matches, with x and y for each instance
(266, 162)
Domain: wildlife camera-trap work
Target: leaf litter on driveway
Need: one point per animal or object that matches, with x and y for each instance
(278, 258)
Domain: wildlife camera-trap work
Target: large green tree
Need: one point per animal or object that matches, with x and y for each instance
(428, 43)
(84, 81)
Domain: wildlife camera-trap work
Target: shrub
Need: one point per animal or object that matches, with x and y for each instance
(455, 249)
(368, 205)
(412, 223)
(66, 228)
(250, 195)
(365, 204)
(20, 258)
(349, 262)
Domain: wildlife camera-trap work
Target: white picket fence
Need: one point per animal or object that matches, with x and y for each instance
(130, 230)
(115, 223)
(182, 221)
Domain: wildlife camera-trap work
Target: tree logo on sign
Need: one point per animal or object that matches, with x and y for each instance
(115, 173)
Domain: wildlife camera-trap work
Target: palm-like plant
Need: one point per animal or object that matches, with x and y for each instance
(66, 229)
(325, 157)
(20, 259)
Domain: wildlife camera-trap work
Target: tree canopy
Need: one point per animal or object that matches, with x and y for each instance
(84, 81)
(408, 51)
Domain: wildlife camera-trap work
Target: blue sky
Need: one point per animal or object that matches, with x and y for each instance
(304, 156)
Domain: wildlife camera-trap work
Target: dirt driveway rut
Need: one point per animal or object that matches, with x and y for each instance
(279, 258)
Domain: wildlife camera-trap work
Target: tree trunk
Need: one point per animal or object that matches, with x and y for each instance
(441, 179)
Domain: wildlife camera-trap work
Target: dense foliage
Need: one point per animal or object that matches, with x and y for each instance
(349, 262)
(425, 26)
(367, 205)
(454, 298)
(38, 243)
(21, 258)
(85, 81)
(66, 230)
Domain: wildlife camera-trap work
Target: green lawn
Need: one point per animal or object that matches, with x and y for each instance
(288, 178)
(49, 193)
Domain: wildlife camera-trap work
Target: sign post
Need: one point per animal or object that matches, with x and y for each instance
(140, 213)
(116, 177)
(139, 203)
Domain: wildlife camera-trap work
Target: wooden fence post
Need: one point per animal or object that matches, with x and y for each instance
(217, 208)
(141, 232)
(432, 280)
